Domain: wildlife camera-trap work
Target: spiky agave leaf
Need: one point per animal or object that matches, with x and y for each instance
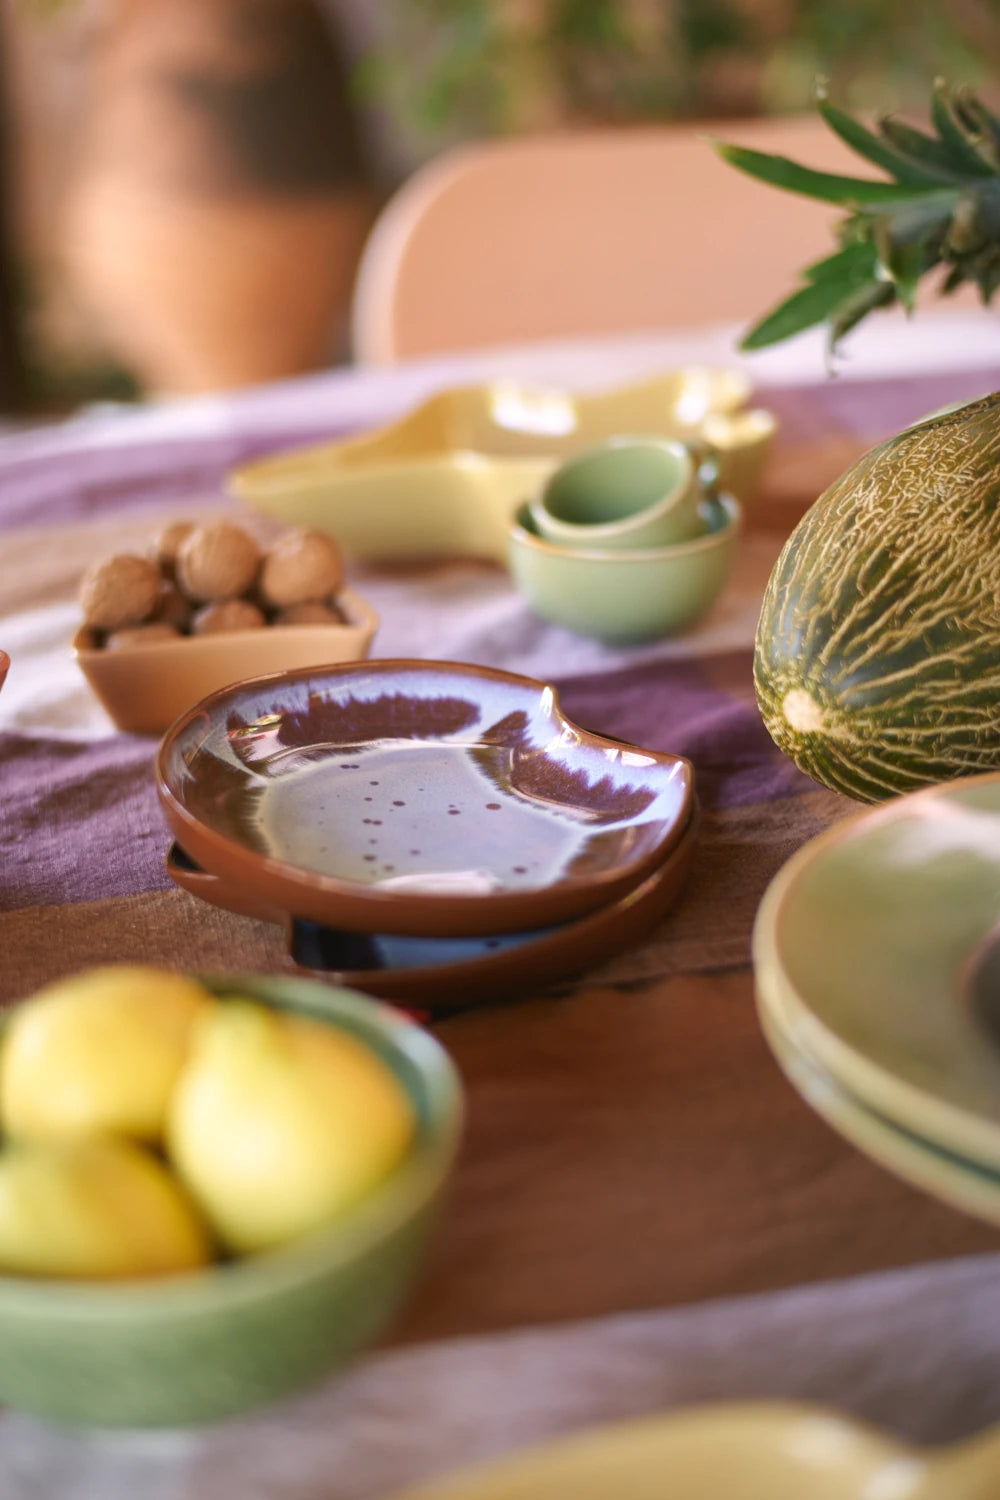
(937, 205)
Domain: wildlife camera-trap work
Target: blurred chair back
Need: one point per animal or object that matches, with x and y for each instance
(601, 231)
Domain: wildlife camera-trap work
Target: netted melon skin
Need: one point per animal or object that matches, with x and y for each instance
(877, 654)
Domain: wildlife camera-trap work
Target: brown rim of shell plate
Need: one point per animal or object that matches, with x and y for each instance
(553, 955)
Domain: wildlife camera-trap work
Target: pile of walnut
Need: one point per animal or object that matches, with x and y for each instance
(202, 579)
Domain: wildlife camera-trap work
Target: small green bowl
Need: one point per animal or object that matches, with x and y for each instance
(210, 1344)
(623, 494)
(630, 596)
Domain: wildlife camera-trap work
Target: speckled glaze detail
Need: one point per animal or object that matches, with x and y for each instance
(417, 797)
(198, 1347)
(877, 661)
(441, 974)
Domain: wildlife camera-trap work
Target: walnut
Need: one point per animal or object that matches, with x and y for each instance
(312, 612)
(218, 561)
(227, 614)
(167, 545)
(300, 567)
(174, 607)
(141, 635)
(122, 590)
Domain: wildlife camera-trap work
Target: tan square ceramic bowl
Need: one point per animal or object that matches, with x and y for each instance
(145, 688)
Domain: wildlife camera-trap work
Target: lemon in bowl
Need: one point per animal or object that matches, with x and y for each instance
(286, 1240)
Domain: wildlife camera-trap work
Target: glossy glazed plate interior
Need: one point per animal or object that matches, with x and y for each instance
(426, 798)
(954, 1180)
(874, 943)
(444, 481)
(442, 974)
(752, 1451)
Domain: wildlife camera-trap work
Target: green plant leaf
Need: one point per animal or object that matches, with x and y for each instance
(904, 263)
(880, 152)
(780, 172)
(955, 278)
(857, 307)
(975, 110)
(978, 126)
(855, 262)
(966, 235)
(986, 195)
(805, 308)
(961, 151)
(943, 205)
(918, 222)
(916, 144)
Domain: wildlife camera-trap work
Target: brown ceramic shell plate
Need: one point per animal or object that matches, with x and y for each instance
(442, 974)
(4, 666)
(425, 798)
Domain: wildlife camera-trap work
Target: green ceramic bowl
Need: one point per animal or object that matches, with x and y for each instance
(636, 595)
(623, 494)
(202, 1346)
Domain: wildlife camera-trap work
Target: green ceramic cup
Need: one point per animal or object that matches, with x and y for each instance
(624, 494)
(621, 597)
(202, 1346)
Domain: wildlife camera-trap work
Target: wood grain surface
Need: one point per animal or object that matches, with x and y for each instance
(640, 1148)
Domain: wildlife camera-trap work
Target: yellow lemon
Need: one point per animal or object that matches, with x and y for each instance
(94, 1208)
(278, 1123)
(97, 1052)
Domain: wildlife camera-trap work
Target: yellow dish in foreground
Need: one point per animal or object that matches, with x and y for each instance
(445, 480)
(753, 1451)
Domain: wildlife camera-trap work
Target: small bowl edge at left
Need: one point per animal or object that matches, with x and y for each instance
(201, 1346)
(144, 689)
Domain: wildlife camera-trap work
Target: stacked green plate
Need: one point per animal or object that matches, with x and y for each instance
(877, 958)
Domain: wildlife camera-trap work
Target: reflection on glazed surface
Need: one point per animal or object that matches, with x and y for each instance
(317, 948)
(508, 418)
(402, 780)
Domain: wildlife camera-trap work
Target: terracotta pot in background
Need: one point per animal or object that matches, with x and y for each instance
(223, 196)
